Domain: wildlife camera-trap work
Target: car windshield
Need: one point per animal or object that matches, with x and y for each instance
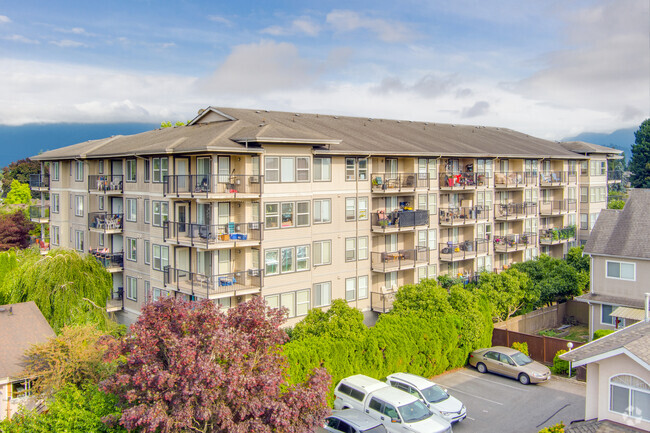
(521, 359)
(434, 394)
(415, 411)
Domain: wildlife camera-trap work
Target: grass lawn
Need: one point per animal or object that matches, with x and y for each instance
(573, 333)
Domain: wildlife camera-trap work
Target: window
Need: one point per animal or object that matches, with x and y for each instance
(131, 170)
(288, 169)
(272, 169)
(302, 302)
(56, 170)
(363, 248)
(322, 294)
(363, 287)
(55, 235)
(598, 168)
(322, 211)
(584, 194)
(350, 249)
(147, 252)
(621, 270)
(132, 288)
(433, 239)
(592, 220)
(272, 301)
(630, 396)
(350, 168)
(605, 311)
(271, 262)
(79, 171)
(584, 221)
(288, 216)
(302, 213)
(390, 280)
(21, 388)
(350, 209)
(147, 292)
(356, 168)
(55, 203)
(79, 205)
(100, 202)
(288, 300)
(302, 169)
(100, 166)
(147, 211)
(132, 249)
(363, 169)
(584, 168)
(160, 213)
(297, 303)
(302, 258)
(322, 253)
(160, 169)
(350, 289)
(131, 209)
(287, 255)
(322, 169)
(271, 216)
(79, 240)
(160, 257)
(147, 170)
(101, 239)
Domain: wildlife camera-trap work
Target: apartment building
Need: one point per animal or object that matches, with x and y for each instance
(305, 208)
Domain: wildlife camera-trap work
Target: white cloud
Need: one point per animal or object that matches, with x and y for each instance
(303, 25)
(344, 21)
(22, 39)
(429, 86)
(67, 43)
(480, 108)
(219, 19)
(4, 19)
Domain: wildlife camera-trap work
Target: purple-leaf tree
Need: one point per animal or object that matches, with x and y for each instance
(188, 366)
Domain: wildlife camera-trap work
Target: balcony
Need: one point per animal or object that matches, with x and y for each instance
(39, 214)
(399, 260)
(116, 302)
(514, 242)
(382, 302)
(39, 182)
(109, 184)
(214, 186)
(213, 236)
(113, 262)
(556, 236)
(464, 250)
(514, 211)
(397, 221)
(516, 179)
(103, 222)
(214, 286)
(398, 182)
(462, 181)
(557, 207)
(43, 245)
(557, 178)
(459, 216)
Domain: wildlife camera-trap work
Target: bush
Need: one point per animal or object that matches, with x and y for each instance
(522, 347)
(561, 366)
(602, 333)
(557, 428)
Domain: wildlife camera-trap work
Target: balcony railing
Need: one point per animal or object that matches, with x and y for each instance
(113, 262)
(463, 215)
(381, 302)
(557, 178)
(212, 236)
(557, 207)
(206, 185)
(514, 242)
(515, 179)
(466, 180)
(106, 183)
(116, 302)
(397, 182)
(39, 214)
(554, 235)
(398, 260)
(450, 251)
(39, 181)
(214, 286)
(105, 222)
(398, 220)
(509, 211)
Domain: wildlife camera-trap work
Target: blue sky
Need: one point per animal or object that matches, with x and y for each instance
(548, 68)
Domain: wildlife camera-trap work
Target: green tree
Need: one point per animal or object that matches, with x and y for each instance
(578, 260)
(19, 170)
(19, 193)
(616, 204)
(507, 291)
(640, 162)
(554, 279)
(340, 321)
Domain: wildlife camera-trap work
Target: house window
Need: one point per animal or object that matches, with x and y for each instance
(584, 221)
(287, 256)
(147, 211)
(433, 239)
(390, 280)
(100, 166)
(21, 388)
(272, 301)
(621, 270)
(131, 288)
(630, 396)
(288, 300)
(79, 171)
(159, 293)
(271, 262)
(271, 216)
(350, 209)
(100, 202)
(350, 289)
(350, 168)
(287, 169)
(605, 311)
(362, 287)
(584, 194)
(160, 257)
(302, 169)
(55, 203)
(56, 170)
(101, 239)
(131, 170)
(272, 169)
(55, 235)
(322, 211)
(302, 302)
(322, 294)
(592, 220)
(147, 170)
(160, 213)
(132, 249)
(322, 169)
(79, 240)
(363, 248)
(79, 205)
(160, 169)
(350, 249)
(131, 209)
(302, 213)
(302, 258)
(363, 169)
(288, 216)
(322, 252)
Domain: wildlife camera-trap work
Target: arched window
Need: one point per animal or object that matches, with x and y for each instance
(629, 395)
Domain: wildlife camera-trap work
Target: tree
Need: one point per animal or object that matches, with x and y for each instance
(14, 230)
(578, 260)
(191, 367)
(616, 204)
(19, 193)
(640, 162)
(66, 287)
(340, 321)
(19, 170)
(508, 292)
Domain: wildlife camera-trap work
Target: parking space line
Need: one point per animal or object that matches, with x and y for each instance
(474, 395)
(496, 383)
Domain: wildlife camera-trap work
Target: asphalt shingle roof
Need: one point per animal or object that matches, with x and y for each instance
(595, 426)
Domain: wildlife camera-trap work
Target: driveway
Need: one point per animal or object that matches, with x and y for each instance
(499, 404)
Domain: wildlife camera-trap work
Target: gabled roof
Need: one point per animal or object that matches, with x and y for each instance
(625, 232)
(22, 326)
(588, 148)
(233, 129)
(633, 341)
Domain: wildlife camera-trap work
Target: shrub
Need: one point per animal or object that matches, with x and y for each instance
(557, 428)
(522, 347)
(602, 333)
(561, 366)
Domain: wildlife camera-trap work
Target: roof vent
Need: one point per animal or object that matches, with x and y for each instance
(257, 111)
(399, 121)
(297, 114)
(266, 111)
(369, 119)
(336, 117)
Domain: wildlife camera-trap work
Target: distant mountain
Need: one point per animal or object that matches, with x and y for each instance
(621, 139)
(18, 142)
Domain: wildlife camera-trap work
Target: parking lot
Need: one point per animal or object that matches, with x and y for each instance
(499, 404)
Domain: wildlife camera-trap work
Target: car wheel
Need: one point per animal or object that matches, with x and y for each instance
(481, 367)
(524, 379)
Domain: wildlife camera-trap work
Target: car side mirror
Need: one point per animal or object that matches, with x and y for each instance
(396, 420)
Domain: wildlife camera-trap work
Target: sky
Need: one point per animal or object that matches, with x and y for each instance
(548, 68)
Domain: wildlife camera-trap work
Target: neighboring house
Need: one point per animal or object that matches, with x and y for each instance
(306, 208)
(618, 378)
(619, 247)
(21, 326)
